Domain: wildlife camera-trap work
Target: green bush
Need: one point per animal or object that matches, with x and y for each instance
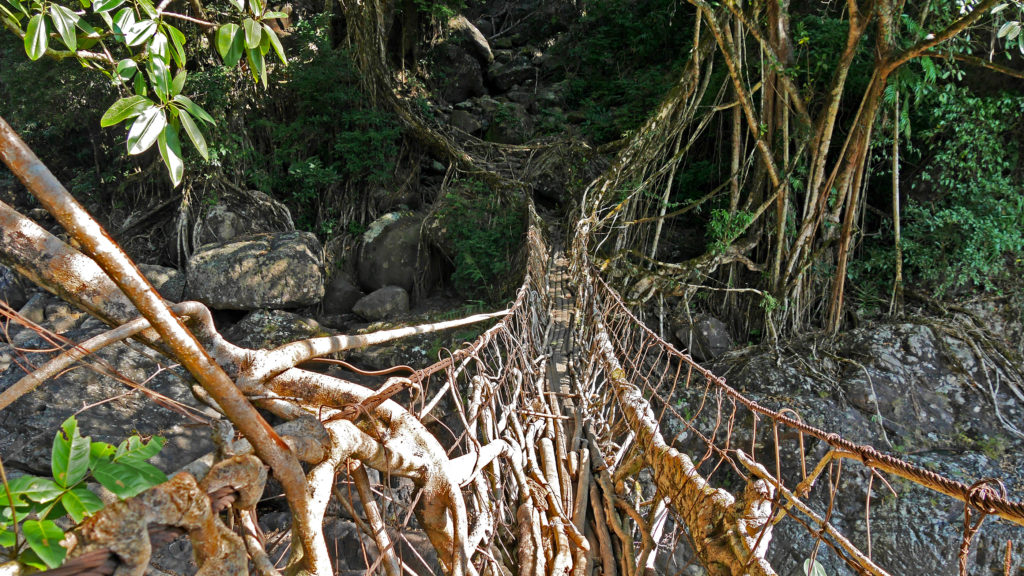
(485, 233)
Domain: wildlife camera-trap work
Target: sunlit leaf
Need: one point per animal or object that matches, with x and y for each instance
(193, 109)
(230, 44)
(170, 151)
(106, 5)
(35, 37)
(253, 33)
(70, 459)
(125, 108)
(43, 537)
(178, 83)
(145, 130)
(177, 44)
(139, 32)
(194, 134)
(275, 42)
(64, 21)
(126, 69)
(160, 77)
(158, 45)
(257, 65)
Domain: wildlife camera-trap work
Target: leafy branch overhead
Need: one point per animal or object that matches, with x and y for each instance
(134, 45)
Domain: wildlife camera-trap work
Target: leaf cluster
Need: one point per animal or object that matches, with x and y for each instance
(30, 505)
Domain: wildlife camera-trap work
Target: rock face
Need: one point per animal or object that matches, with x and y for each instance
(27, 427)
(391, 254)
(263, 271)
(12, 288)
(706, 338)
(911, 390)
(383, 303)
(464, 76)
(267, 329)
(241, 213)
(170, 283)
(471, 37)
(341, 294)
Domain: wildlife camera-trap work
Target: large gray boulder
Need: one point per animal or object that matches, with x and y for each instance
(384, 303)
(169, 282)
(463, 76)
(392, 255)
(706, 338)
(268, 329)
(471, 37)
(341, 294)
(241, 213)
(263, 271)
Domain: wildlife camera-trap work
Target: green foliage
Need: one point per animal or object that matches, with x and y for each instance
(315, 136)
(819, 42)
(31, 505)
(485, 232)
(624, 60)
(724, 228)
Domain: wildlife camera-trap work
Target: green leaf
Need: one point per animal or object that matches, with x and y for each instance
(80, 502)
(999, 8)
(35, 37)
(194, 134)
(70, 459)
(43, 537)
(257, 7)
(147, 7)
(813, 568)
(140, 85)
(64, 21)
(160, 77)
(123, 22)
(273, 14)
(86, 3)
(275, 42)
(124, 109)
(257, 65)
(7, 539)
(230, 44)
(194, 109)
(127, 480)
(31, 487)
(158, 46)
(90, 32)
(139, 32)
(144, 132)
(170, 151)
(106, 5)
(178, 83)
(253, 33)
(238, 4)
(177, 44)
(134, 449)
(126, 69)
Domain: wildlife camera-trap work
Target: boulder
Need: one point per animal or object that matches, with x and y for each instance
(392, 255)
(13, 290)
(465, 121)
(264, 271)
(268, 329)
(471, 37)
(341, 294)
(169, 282)
(706, 338)
(241, 213)
(510, 124)
(383, 303)
(502, 76)
(463, 76)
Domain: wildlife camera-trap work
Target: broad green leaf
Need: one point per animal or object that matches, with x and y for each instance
(100, 452)
(123, 22)
(126, 69)
(230, 44)
(7, 539)
(127, 480)
(147, 7)
(999, 8)
(11, 15)
(258, 66)
(253, 33)
(194, 109)
(170, 151)
(70, 459)
(35, 37)
(80, 503)
(20, 6)
(813, 568)
(275, 42)
(194, 134)
(273, 14)
(43, 537)
(134, 449)
(264, 43)
(86, 3)
(139, 32)
(31, 487)
(160, 77)
(145, 130)
(178, 83)
(140, 85)
(122, 110)
(29, 558)
(257, 7)
(84, 26)
(158, 45)
(106, 5)
(177, 44)
(238, 4)
(64, 21)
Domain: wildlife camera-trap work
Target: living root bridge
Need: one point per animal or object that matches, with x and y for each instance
(562, 451)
